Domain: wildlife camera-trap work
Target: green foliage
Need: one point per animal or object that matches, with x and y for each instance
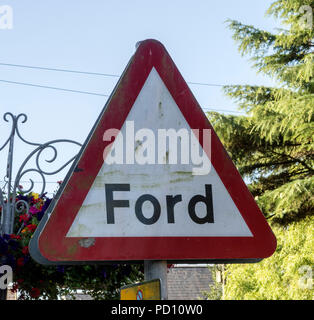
(273, 145)
(215, 289)
(288, 274)
(291, 56)
(273, 148)
(36, 281)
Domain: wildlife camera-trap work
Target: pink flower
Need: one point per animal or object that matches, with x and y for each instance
(33, 210)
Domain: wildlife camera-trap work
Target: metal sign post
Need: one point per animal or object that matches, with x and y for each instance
(157, 270)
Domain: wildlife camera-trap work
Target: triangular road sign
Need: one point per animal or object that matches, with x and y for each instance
(131, 196)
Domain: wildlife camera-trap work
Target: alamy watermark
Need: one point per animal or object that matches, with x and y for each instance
(306, 20)
(169, 146)
(6, 17)
(6, 276)
(306, 280)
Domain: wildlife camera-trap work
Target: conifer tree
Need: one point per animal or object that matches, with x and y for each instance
(272, 146)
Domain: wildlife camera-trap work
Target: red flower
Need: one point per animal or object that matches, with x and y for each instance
(34, 201)
(35, 293)
(25, 250)
(13, 236)
(20, 262)
(31, 227)
(15, 287)
(24, 217)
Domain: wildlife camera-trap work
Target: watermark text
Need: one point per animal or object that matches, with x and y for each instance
(166, 146)
(6, 276)
(306, 20)
(6, 17)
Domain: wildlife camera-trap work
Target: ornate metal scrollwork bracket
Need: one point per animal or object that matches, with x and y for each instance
(8, 202)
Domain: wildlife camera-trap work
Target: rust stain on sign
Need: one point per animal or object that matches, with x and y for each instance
(86, 243)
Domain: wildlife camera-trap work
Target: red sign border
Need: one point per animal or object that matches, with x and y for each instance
(52, 243)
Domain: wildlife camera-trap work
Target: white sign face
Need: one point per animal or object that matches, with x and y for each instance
(157, 199)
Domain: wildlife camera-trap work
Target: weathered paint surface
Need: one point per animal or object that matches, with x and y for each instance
(155, 108)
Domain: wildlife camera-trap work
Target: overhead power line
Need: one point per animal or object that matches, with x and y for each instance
(92, 73)
(53, 88)
(59, 70)
(223, 110)
(206, 84)
(95, 94)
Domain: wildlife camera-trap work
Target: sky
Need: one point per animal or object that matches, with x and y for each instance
(100, 36)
